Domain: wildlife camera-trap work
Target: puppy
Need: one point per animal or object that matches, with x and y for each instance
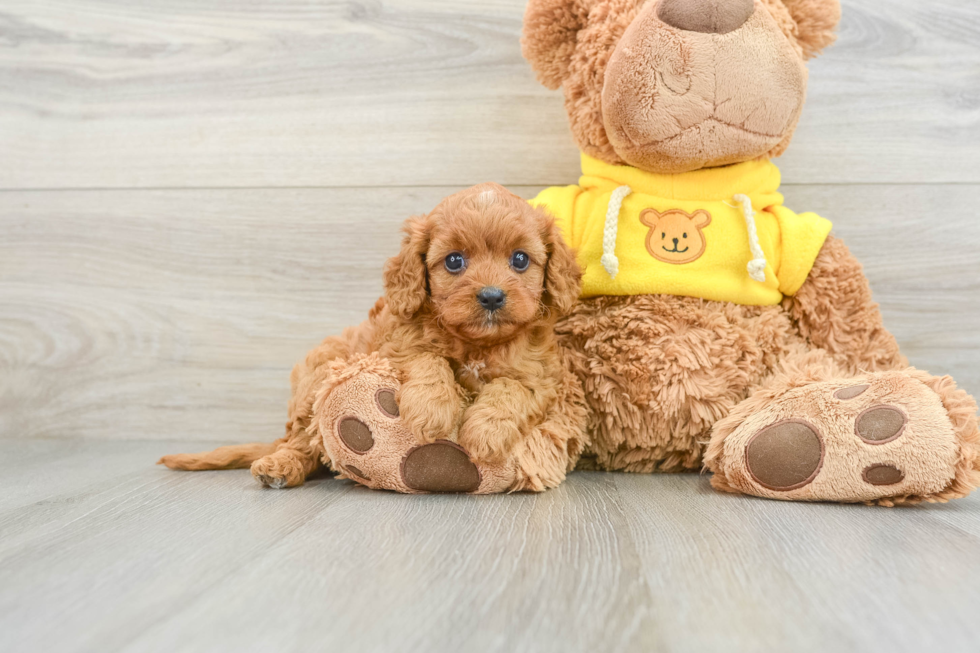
(467, 321)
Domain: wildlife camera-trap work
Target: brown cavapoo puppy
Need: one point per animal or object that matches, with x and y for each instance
(455, 382)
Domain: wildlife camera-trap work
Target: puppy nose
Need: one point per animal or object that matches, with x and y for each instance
(706, 16)
(491, 298)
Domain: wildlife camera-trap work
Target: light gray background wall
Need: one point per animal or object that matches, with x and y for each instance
(195, 192)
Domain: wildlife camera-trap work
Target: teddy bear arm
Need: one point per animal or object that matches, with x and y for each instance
(834, 311)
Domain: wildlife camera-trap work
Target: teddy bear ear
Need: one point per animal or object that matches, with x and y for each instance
(816, 22)
(650, 217)
(550, 36)
(701, 219)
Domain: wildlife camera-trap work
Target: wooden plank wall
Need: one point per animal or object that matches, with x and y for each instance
(193, 193)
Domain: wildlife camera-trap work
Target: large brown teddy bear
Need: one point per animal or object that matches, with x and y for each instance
(717, 327)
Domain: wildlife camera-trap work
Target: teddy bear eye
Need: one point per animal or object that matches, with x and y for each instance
(455, 262)
(520, 260)
(685, 234)
(663, 235)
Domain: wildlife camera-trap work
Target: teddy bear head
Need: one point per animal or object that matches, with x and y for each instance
(671, 86)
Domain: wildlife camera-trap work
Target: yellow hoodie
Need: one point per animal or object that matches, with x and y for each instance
(690, 234)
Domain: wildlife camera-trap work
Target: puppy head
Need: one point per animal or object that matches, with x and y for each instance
(485, 264)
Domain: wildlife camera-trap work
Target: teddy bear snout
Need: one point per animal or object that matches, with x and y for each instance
(706, 16)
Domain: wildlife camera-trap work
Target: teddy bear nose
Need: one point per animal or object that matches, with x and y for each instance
(491, 298)
(706, 16)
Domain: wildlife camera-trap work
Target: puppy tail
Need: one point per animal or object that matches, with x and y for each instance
(238, 456)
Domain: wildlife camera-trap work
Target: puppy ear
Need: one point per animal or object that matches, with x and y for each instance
(551, 30)
(816, 22)
(405, 276)
(562, 275)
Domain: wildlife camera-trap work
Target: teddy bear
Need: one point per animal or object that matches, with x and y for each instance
(716, 326)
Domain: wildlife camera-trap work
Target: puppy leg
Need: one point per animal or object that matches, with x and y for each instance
(546, 455)
(431, 402)
(289, 466)
(300, 454)
(503, 412)
(545, 452)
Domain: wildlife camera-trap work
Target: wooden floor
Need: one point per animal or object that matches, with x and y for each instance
(195, 192)
(102, 552)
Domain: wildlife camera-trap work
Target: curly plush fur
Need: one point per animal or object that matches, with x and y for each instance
(487, 380)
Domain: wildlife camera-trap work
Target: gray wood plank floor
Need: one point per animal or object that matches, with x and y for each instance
(102, 551)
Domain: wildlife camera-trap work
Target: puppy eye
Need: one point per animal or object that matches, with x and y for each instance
(455, 262)
(520, 260)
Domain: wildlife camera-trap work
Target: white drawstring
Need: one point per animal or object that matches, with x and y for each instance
(757, 266)
(609, 260)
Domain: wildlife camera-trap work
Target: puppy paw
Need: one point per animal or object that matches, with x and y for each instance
(279, 470)
(889, 438)
(430, 413)
(488, 438)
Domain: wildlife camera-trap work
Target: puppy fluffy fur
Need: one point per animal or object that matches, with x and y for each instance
(482, 378)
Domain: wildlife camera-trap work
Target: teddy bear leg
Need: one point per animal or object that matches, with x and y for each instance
(888, 438)
(365, 440)
(835, 312)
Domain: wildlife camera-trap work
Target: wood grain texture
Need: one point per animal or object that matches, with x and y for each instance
(285, 93)
(779, 576)
(178, 314)
(115, 554)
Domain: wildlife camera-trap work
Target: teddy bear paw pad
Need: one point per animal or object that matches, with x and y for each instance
(880, 424)
(850, 392)
(785, 456)
(442, 466)
(355, 434)
(882, 475)
(385, 398)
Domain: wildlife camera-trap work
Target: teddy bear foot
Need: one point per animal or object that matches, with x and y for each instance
(366, 441)
(887, 438)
